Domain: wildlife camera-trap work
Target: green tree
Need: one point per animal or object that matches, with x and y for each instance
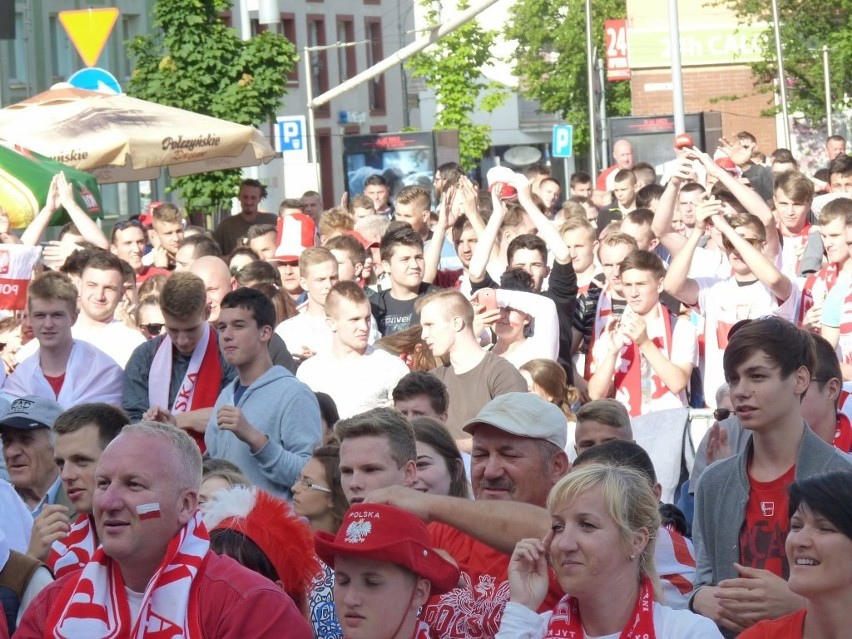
(194, 61)
(550, 59)
(805, 28)
(452, 69)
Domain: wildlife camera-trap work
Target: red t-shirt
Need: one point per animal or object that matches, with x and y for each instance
(788, 627)
(56, 383)
(476, 609)
(766, 525)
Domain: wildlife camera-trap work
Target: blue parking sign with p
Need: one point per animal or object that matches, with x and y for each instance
(290, 133)
(563, 141)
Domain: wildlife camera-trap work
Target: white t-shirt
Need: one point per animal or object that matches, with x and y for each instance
(356, 384)
(519, 622)
(115, 339)
(312, 332)
(684, 349)
(724, 303)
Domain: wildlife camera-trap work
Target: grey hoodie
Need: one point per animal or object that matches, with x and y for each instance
(283, 408)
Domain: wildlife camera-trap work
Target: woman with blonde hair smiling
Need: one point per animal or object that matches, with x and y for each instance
(605, 522)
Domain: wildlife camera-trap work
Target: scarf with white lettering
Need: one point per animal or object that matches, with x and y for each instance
(75, 550)
(628, 375)
(565, 621)
(94, 606)
(200, 386)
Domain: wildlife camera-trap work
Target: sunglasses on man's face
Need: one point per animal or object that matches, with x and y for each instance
(152, 329)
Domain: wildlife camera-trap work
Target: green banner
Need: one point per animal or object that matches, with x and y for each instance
(25, 178)
(700, 45)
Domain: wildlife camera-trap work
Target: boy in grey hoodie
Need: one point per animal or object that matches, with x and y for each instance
(266, 421)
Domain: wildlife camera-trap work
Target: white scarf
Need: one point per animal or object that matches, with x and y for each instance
(159, 380)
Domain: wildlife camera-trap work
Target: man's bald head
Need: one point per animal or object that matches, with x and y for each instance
(622, 153)
(217, 280)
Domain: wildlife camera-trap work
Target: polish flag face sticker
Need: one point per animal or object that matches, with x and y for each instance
(148, 511)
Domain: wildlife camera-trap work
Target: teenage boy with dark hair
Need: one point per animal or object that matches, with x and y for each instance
(268, 440)
(421, 394)
(176, 377)
(741, 517)
(402, 259)
(625, 199)
(580, 185)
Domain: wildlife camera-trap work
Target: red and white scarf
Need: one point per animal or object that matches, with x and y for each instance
(94, 606)
(845, 341)
(75, 550)
(843, 434)
(422, 631)
(817, 286)
(790, 243)
(565, 621)
(200, 386)
(628, 375)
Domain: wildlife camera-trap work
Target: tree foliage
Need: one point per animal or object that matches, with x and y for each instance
(194, 61)
(452, 69)
(805, 28)
(550, 59)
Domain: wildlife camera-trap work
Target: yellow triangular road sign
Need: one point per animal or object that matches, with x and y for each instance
(89, 30)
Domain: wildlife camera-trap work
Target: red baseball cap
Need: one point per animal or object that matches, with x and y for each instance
(387, 533)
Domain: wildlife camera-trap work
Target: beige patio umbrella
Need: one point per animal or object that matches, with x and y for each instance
(124, 139)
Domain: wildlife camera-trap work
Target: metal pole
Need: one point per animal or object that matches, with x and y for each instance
(776, 27)
(590, 79)
(312, 137)
(677, 73)
(604, 145)
(827, 76)
(403, 54)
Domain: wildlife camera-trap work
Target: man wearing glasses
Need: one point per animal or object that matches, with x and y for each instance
(754, 289)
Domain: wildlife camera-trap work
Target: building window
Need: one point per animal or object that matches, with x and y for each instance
(16, 67)
(346, 64)
(318, 61)
(288, 30)
(375, 53)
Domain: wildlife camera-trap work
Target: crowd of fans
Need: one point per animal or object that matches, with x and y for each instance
(459, 412)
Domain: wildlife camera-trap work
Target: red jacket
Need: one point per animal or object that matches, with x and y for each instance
(234, 603)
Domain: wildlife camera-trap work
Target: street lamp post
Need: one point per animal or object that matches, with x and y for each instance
(590, 78)
(827, 77)
(776, 27)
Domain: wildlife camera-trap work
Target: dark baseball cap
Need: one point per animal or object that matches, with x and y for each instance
(31, 412)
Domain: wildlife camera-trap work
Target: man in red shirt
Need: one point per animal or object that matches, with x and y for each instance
(154, 569)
